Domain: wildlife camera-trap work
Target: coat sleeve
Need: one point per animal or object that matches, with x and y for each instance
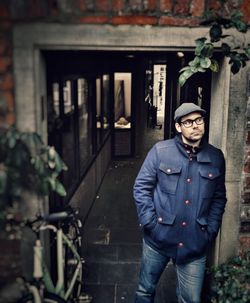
(143, 190)
(218, 203)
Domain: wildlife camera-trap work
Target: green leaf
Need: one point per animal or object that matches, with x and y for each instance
(51, 164)
(12, 142)
(237, 22)
(236, 65)
(247, 51)
(184, 76)
(225, 49)
(214, 65)
(195, 62)
(60, 189)
(52, 183)
(215, 32)
(184, 68)
(207, 50)
(199, 45)
(205, 62)
(52, 153)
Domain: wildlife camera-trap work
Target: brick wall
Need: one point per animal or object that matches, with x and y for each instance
(114, 12)
(245, 203)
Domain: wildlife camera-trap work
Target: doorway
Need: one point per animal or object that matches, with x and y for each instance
(125, 96)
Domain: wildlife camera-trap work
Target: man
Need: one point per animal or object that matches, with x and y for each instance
(180, 198)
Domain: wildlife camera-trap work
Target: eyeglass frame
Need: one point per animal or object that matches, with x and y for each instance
(192, 121)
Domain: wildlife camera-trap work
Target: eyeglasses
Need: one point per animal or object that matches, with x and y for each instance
(189, 122)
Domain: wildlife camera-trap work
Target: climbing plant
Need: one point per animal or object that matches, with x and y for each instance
(231, 280)
(205, 47)
(27, 165)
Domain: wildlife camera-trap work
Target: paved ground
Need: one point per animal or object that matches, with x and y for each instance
(113, 240)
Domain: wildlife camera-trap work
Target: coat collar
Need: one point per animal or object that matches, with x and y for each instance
(200, 152)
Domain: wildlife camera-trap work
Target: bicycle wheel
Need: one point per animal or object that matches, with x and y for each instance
(48, 298)
(52, 298)
(71, 261)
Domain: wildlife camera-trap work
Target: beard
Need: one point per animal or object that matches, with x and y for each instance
(193, 138)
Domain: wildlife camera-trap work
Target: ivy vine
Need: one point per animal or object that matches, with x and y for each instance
(205, 48)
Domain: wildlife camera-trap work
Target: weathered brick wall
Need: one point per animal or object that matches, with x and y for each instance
(245, 203)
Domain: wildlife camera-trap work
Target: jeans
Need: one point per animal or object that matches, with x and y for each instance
(189, 277)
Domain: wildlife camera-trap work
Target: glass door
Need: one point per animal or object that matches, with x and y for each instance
(122, 114)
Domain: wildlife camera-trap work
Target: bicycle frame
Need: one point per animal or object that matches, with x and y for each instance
(41, 269)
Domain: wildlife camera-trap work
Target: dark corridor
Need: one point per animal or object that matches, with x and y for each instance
(94, 96)
(112, 240)
(84, 113)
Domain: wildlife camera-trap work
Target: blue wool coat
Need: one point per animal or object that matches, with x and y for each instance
(180, 197)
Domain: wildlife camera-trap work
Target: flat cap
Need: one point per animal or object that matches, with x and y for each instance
(187, 108)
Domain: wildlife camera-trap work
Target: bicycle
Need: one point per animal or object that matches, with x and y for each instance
(65, 228)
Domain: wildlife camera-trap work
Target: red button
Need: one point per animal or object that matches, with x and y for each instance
(190, 159)
(180, 244)
(184, 223)
(189, 180)
(187, 202)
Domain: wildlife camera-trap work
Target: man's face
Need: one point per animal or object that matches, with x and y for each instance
(191, 135)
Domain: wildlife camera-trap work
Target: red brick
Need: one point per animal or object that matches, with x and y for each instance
(7, 98)
(4, 11)
(197, 8)
(246, 198)
(5, 25)
(247, 183)
(81, 4)
(166, 5)
(139, 20)
(214, 4)
(168, 20)
(6, 81)
(244, 243)
(10, 118)
(247, 166)
(135, 5)
(5, 62)
(118, 5)
(102, 5)
(37, 9)
(4, 45)
(248, 137)
(53, 8)
(150, 5)
(94, 19)
(181, 7)
(245, 8)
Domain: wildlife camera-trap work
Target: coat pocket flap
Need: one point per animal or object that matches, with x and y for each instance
(164, 218)
(170, 169)
(209, 173)
(202, 221)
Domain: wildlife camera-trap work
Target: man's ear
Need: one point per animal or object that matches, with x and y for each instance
(178, 127)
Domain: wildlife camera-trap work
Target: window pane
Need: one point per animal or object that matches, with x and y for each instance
(68, 138)
(106, 102)
(85, 141)
(98, 112)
